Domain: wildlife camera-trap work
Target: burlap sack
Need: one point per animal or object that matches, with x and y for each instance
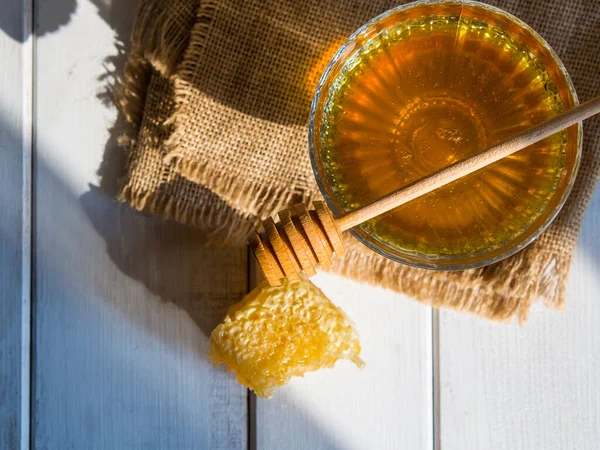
(223, 136)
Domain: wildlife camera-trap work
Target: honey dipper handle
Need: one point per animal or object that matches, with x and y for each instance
(469, 165)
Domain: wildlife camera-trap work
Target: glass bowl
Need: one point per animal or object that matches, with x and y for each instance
(368, 118)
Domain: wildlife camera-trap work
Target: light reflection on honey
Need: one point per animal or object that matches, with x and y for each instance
(429, 91)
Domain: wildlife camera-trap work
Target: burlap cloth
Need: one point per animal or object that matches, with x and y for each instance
(218, 93)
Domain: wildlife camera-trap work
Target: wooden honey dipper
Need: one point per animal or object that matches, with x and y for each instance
(304, 239)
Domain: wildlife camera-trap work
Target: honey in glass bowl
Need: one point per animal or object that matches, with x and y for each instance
(424, 86)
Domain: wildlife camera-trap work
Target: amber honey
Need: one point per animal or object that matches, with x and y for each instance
(426, 89)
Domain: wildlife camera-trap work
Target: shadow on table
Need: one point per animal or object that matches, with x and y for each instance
(170, 259)
(172, 262)
(57, 14)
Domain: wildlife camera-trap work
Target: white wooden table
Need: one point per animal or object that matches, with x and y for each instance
(104, 313)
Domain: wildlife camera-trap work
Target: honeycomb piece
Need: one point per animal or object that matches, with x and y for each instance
(277, 332)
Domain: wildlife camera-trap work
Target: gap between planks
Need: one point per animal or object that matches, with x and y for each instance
(254, 277)
(435, 370)
(27, 140)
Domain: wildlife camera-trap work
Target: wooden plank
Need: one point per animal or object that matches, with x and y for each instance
(15, 202)
(387, 405)
(505, 387)
(124, 303)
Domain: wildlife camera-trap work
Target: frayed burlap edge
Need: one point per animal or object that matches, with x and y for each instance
(253, 199)
(130, 94)
(467, 291)
(221, 225)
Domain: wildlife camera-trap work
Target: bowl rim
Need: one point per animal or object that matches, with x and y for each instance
(372, 244)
